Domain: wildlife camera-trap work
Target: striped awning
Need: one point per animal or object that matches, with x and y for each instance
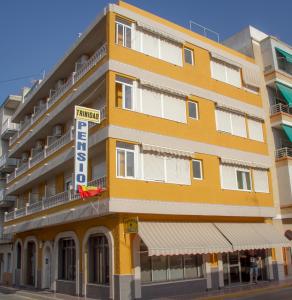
(248, 236)
(175, 238)
(165, 150)
(243, 163)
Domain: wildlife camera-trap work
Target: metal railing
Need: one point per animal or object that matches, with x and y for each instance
(51, 201)
(75, 77)
(6, 237)
(56, 145)
(280, 108)
(5, 160)
(283, 153)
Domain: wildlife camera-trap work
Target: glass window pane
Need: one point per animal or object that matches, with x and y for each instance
(145, 262)
(130, 164)
(125, 145)
(247, 181)
(175, 267)
(128, 37)
(188, 56)
(197, 169)
(128, 97)
(121, 163)
(190, 263)
(239, 180)
(159, 267)
(119, 33)
(193, 110)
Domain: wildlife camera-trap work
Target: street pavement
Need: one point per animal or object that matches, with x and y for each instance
(266, 292)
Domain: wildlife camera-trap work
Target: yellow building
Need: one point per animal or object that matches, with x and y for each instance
(181, 152)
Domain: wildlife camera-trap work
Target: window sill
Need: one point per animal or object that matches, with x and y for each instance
(69, 281)
(98, 284)
(172, 281)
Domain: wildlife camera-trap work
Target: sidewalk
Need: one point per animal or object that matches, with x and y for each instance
(226, 293)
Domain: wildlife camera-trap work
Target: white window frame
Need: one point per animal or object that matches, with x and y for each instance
(135, 162)
(201, 169)
(124, 84)
(119, 23)
(192, 56)
(197, 109)
(249, 174)
(225, 64)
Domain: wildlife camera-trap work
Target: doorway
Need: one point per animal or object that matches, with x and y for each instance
(236, 266)
(31, 263)
(47, 268)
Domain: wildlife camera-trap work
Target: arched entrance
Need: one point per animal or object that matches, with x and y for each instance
(31, 263)
(47, 267)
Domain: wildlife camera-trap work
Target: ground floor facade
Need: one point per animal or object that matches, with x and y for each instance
(167, 255)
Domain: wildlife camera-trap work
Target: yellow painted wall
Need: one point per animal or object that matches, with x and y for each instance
(207, 190)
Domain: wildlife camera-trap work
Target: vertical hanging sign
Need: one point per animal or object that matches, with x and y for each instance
(83, 116)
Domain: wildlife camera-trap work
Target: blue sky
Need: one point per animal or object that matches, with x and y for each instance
(34, 34)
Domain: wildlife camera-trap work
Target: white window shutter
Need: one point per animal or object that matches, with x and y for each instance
(238, 125)
(153, 167)
(228, 177)
(255, 130)
(223, 122)
(170, 52)
(150, 44)
(233, 75)
(218, 70)
(261, 181)
(177, 170)
(151, 102)
(174, 108)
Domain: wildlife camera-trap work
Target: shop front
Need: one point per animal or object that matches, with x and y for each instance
(176, 258)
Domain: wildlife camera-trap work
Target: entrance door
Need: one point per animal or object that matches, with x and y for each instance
(231, 268)
(47, 268)
(31, 263)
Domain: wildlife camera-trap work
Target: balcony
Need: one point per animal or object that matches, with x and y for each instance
(6, 238)
(7, 164)
(280, 114)
(283, 153)
(49, 202)
(73, 79)
(9, 129)
(48, 150)
(5, 200)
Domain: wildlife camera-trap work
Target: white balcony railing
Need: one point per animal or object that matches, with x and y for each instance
(8, 125)
(51, 201)
(283, 153)
(7, 161)
(75, 77)
(280, 108)
(48, 150)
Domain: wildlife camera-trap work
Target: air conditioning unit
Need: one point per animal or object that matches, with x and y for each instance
(24, 157)
(39, 144)
(59, 83)
(57, 130)
(80, 61)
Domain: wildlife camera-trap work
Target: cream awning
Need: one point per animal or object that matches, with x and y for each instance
(174, 238)
(248, 236)
(243, 163)
(165, 150)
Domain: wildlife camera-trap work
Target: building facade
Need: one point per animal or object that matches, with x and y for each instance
(182, 150)
(274, 58)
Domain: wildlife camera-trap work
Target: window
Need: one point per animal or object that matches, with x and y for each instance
(67, 259)
(261, 181)
(231, 122)
(166, 168)
(243, 180)
(124, 93)
(225, 72)
(189, 56)
(8, 269)
(193, 110)
(197, 169)
(125, 160)
(167, 268)
(98, 267)
(255, 130)
(123, 33)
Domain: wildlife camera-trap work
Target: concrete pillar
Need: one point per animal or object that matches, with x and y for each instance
(280, 264)
(220, 270)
